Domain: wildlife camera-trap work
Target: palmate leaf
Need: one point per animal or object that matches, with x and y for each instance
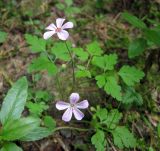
(133, 20)
(130, 75)
(123, 137)
(111, 87)
(42, 63)
(94, 49)
(14, 101)
(36, 44)
(82, 55)
(15, 129)
(10, 147)
(99, 141)
(131, 96)
(105, 62)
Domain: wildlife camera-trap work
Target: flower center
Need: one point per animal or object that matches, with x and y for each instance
(58, 29)
(72, 105)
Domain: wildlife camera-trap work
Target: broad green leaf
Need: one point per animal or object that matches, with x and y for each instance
(15, 129)
(130, 75)
(106, 62)
(94, 49)
(36, 44)
(133, 20)
(99, 141)
(111, 87)
(82, 55)
(10, 147)
(123, 138)
(42, 63)
(137, 47)
(60, 51)
(14, 101)
(112, 119)
(49, 122)
(37, 134)
(3, 36)
(60, 6)
(69, 2)
(131, 96)
(153, 35)
(101, 80)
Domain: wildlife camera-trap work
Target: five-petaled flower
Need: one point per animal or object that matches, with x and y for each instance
(59, 29)
(72, 107)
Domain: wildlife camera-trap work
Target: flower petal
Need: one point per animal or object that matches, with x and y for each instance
(60, 105)
(63, 35)
(82, 105)
(59, 22)
(67, 25)
(74, 97)
(78, 114)
(51, 27)
(67, 115)
(48, 34)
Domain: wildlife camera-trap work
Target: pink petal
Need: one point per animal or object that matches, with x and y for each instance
(51, 27)
(60, 105)
(78, 114)
(67, 115)
(74, 97)
(67, 25)
(63, 35)
(59, 22)
(48, 34)
(82, 105)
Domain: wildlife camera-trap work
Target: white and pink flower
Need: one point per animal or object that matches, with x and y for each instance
(72, 107)
(58, 29)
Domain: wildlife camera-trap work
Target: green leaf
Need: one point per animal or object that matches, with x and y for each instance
(42, 63)
(49, 122)
(112, 118)
(42, 96)
(14, 101)
(106, 62)
(60, 51)
(123, 138)
(60, 6)
(15, 129)
(111, 87)
(130, 75)
(133, 20)
(37, 134)
(3, 36)
(69, 2)
(153, 35)
(36, 44)
(131, 96)
(101, 80)
(82, 55)
(94, 49)
(36, 109)
(137, 47)
(10, 147)
(99, 141)
(102, 114)
(110, 61)
(82, 74)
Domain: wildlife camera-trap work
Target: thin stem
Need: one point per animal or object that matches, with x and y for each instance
(114, 115)
(57, 77)
(71, 128)
(72, 61)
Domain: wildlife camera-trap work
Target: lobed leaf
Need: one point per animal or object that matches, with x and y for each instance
(10, 147)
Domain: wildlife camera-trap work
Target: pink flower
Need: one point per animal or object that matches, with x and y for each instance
(72, 107)
(58, 29)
